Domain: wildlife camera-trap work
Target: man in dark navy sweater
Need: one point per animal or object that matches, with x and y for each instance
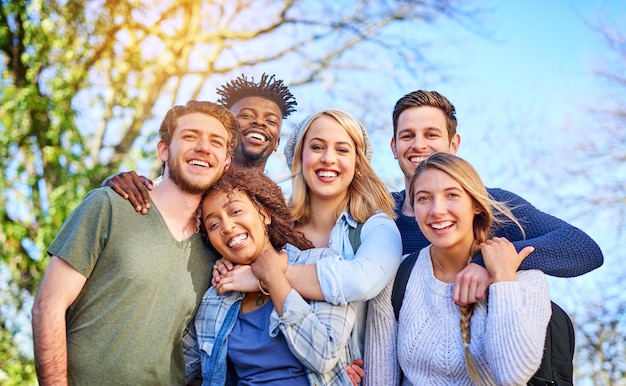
(424, 122)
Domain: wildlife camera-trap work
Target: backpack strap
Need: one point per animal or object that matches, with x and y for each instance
(557, 366)
(354, 235)
(402, 278)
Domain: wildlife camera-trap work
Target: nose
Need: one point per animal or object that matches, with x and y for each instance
(418, 143)
(258, 120)
(438, 207)
(226, 227)
(328, 156)
(203, 145)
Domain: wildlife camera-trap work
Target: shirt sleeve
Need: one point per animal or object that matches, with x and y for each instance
(373, 266)
(381, 357)
(517, 319)
(561, 249)
(85, 232)
(316, 333)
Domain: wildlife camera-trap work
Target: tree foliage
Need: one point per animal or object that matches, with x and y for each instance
(83, 81)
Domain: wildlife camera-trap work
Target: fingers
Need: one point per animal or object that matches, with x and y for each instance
(137, 191)
(357, 366)
(525, 252)
(222, 266)
(118, 189)
(470, 285)
(146, 182)
(356, 372)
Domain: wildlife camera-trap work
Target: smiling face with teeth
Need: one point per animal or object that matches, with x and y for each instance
(328, 160)
(198, 152)
(235, 226)
(260, 121)
(420, 132)
(444, 212)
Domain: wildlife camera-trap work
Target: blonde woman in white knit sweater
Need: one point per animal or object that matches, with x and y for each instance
(498, 341)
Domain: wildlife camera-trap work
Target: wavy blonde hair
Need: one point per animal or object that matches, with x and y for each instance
(366, 192)
(491, 212)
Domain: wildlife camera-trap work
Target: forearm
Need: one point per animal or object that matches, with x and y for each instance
(567, 252)
(303, 278)
(50, 344)
(278, 287)
(516, 326)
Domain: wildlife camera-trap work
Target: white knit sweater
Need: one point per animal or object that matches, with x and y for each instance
(507, 332)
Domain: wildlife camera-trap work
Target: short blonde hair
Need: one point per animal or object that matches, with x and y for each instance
(366, 193)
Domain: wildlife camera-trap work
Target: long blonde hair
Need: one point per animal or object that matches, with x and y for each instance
(366, 193)
(491, 212)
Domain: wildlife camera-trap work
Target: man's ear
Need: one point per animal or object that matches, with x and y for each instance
(163, 150)
(277, 143)
(455, 143)
(393, 148)
(228, 162)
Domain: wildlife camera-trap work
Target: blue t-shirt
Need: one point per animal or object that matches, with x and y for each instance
(257, 357)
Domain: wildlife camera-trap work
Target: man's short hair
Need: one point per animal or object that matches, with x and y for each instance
(268, 87)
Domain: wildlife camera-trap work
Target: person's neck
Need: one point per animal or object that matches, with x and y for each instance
(177, 208)
(247, 163)
(407, 209)
(321, 223)
(452, 260)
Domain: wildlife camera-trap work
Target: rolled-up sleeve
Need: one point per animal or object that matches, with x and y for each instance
(362, 276)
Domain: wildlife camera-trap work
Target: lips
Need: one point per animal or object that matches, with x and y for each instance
(237, 240)
(442, 226)
(327, 173)
(257, 136)
(416, 159)
(198, 162)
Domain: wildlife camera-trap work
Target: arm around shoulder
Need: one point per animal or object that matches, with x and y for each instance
(373, 266)
(561, 249)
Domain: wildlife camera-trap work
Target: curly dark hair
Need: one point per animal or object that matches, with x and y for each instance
(269, 88)
(264, 193)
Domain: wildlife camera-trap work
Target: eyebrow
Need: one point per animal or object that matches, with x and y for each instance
(326, 141)
(255, 110)
(228, 202)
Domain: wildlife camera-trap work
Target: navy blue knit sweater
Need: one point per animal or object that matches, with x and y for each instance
(560, 248)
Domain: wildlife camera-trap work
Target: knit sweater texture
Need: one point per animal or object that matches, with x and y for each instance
(507, 332)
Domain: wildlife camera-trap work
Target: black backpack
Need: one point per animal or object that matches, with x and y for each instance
(556, 366)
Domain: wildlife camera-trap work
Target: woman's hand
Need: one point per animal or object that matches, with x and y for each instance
(501, 258)
(239, 279)
(132, 187)
(470, 285)
(220, 269)
(270, 264)
(355, 371)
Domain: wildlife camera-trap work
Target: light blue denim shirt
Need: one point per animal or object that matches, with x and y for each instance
(318, 333)
(356, 279)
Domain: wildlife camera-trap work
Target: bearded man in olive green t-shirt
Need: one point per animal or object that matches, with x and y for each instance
(120, 289)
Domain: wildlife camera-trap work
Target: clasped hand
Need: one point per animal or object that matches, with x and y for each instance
(501, 260)
(244, 278)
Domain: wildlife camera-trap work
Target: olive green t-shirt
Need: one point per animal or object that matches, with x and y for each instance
(143, 286)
